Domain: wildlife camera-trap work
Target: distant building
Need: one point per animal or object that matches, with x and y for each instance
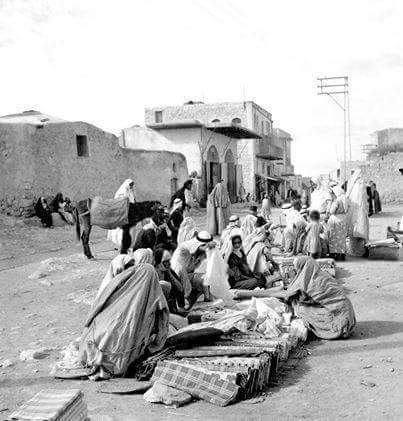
(211, 150)
(257, 155)
(41, 155)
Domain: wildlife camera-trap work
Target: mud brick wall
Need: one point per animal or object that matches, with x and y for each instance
(41, 161)
(384, 172)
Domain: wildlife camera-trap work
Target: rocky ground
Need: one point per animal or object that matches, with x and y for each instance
(46, 285)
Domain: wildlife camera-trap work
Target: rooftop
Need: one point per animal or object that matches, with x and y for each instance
(30, 117)
(234, 131)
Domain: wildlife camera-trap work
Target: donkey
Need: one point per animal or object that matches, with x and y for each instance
(137, 212)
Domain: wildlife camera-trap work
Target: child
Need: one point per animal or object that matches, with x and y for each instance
(312, 244)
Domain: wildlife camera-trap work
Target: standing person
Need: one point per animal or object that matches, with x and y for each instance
(370, 200)
(184, 194)
(218, 209)
(42, 211)
(377, 199)
(336, 224)
(242, 193)
(125, 190)
(266, 211)
(357, 216)
(320, 196)
(175, 219)
(312, 244)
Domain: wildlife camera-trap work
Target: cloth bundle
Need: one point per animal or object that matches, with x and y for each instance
(109, 213)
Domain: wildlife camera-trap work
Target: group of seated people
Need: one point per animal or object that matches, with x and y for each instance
(59, 204)
(143, 289)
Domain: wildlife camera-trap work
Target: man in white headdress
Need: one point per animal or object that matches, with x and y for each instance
(125, 190)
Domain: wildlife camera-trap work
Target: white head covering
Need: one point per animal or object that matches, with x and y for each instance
(187, 230)
(126, 191)
(227, 247)
(176, 205)
(248, 225)
(143, 256)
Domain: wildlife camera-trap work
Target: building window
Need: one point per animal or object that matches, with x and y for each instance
(174, 167)
(268, 170)
(82, 145)
(262, 127)
(236, 120)
(158, 116)
(216, 120)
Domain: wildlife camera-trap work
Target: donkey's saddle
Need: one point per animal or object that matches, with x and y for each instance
(109, 213)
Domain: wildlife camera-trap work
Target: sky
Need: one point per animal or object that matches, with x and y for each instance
(105, 61)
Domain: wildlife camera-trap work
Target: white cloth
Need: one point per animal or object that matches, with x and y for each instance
(357, 217)
(123, 191)
(116, 266)
(266, 211)
(321, 196)
(216, 276)
(187, 230)
(248, 225)
(143, 256)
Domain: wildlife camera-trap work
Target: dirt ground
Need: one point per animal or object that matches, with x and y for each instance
(45, 283)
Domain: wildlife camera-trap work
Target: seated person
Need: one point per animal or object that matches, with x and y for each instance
(240, 276)
(176, 297)
(185, 261)
(58, 204)
(234, 224)
(319, 300)
(43, 212)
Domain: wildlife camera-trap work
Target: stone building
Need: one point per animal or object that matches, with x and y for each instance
(211, 150)
(385, 171)
(255, 154)
(42, 155)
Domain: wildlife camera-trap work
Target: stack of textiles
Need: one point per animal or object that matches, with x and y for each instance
(53, 405)
(286, 266)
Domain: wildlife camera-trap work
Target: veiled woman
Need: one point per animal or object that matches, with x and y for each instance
(357, 216)
(319, 300)
(128, 319)
(125, 190)
(336, 225)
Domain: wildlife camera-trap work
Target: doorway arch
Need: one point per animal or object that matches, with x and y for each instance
(230, 170)
(213, 170)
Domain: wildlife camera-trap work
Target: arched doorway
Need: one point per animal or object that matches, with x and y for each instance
(213, 172)
(230, 174)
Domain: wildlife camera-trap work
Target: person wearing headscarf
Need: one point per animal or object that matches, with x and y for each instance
(357, 215)
(336, 224)
(175, 219)
(248, 225)
(266, 210)
(151, 234)
(319, 300)
(187, 230)
(184, 194)
(377, 199)
(125, 190)
(58, 205)
(176, 297)
(185, 261)
(42, 211)
(233, 224)
(127, 320)
(320, 196)
(294, 230)
(257, 249)
(240, 276)
(218, 209)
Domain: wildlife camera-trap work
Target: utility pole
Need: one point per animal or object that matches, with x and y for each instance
(333, 86)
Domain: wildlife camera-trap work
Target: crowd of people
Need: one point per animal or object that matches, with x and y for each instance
(172, 265)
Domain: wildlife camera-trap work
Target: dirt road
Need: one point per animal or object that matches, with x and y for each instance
(43, 305)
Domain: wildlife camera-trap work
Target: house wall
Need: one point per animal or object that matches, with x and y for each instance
(44, 161)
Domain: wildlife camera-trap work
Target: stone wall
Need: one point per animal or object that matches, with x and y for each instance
(384, 172)
(39, 161)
